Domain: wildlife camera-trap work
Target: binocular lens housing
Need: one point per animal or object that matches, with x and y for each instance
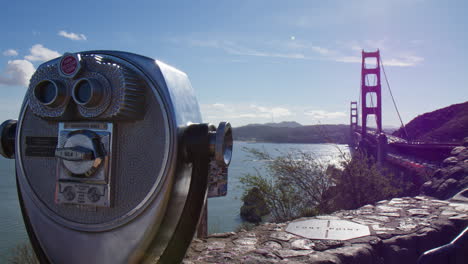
(87, 92)
(221, 144)
(49, 93)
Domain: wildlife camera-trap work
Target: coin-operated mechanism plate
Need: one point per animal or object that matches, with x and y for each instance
(83, 170)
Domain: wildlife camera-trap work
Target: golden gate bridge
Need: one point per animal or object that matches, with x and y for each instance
(419, 156)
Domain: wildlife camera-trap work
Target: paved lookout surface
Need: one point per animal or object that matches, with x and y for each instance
(400, 230)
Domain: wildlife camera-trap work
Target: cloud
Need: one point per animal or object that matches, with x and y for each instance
(243, 113)
(204, 43)
(71, 35)
(17, 72)
(349, 59)
(237, 49)
(407, 61)
(404, 62)
(345, 52)
(262, 111)
(41, 53)
(321, 114)
(322, 51)
(10, 52)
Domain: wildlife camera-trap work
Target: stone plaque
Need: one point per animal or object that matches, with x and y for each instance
(328, 229)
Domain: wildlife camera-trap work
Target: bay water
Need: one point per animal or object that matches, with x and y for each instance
(223, 212)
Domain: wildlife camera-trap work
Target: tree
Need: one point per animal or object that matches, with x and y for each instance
(293, 186)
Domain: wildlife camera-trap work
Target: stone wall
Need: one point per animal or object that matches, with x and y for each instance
(401, 230)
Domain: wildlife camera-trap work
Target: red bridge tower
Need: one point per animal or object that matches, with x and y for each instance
(371, 90)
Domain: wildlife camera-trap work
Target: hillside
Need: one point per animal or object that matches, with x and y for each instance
(280, 124)
(449, 124)
(298, 134)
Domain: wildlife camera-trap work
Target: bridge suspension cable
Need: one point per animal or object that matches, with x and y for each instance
(393, 99)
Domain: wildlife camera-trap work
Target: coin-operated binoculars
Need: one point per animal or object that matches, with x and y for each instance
(112, 159)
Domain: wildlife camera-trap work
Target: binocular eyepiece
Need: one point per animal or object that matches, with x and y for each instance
(112, 159)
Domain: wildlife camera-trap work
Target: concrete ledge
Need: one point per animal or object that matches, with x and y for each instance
(401, 230)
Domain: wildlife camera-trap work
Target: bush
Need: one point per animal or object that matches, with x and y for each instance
(293, 186)
(296, 184)
(254, 206)
(359, 182)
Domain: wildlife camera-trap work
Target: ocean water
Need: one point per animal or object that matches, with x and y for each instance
(12, 230)
(223, 212)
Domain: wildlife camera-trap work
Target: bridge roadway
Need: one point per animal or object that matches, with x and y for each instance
(413, 155)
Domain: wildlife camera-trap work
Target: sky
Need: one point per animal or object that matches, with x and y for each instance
(256, 61)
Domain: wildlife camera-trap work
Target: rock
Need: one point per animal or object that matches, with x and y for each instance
(323, 258)
(450, 161)
(354, 254)
(221, 235)
(464, 165)
(302, 244)
(457, 150)
(446, 189)
(289, 253)
(327, 244)
(418, 212)
(283, 236)
(427, 188)
(439, 173)
(397, 254)
(215, 245)
(463, 155)
(455, 172)
(272, 245)
(465, 142)
(245, 241)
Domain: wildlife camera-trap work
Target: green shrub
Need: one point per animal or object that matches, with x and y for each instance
(255, 206)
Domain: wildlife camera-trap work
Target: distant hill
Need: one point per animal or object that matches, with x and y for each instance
(449, 124)
(296, 134)
(280, 124)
